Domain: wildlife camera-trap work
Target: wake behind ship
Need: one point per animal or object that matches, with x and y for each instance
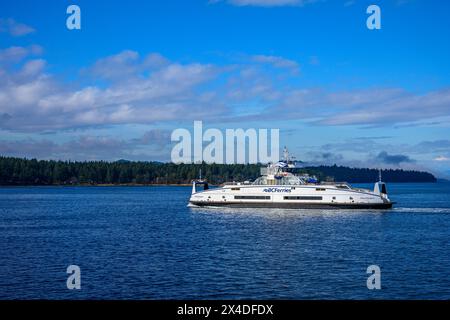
(279, 187)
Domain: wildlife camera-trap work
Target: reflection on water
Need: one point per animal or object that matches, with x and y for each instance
(286, 213)
(308, 213)
(422, 210)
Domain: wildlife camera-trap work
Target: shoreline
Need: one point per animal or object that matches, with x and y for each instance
(99, 185)
(162, 185)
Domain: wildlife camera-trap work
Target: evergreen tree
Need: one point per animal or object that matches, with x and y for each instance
(15, 171)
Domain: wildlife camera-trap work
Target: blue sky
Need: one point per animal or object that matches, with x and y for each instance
(339, 92)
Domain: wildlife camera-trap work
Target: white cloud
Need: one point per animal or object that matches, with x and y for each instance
(159, 137)
(16, 54)
(150, 88)
(153, 145)
(392, 108)
(140, 90)
(369, 107)
(278, 62)
(126, 64)
(155, 61)
(14, 28)
(441, 158)
(80, 148)
(376, 152)
(116, 66)
(32, 68)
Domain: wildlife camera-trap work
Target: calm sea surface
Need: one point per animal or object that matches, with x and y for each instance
(144, 243)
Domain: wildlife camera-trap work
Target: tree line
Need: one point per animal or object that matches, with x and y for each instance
(17, 171)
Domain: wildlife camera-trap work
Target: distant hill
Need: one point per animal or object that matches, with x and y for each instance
(16, 171)
(123, 161)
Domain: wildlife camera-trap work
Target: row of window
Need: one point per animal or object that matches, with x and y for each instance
(303, 198)
(293, 188)
(285, 198)
(252, 197)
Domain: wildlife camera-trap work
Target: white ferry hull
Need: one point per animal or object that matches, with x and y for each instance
(290, 197)
(293, 205)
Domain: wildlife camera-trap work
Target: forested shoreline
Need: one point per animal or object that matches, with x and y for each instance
(18, 171)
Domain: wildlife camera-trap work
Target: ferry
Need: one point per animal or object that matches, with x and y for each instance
(279, 187)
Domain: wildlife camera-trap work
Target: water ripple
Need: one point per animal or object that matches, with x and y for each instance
(144, 243)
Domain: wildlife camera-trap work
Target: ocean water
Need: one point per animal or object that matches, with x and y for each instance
(144, 243)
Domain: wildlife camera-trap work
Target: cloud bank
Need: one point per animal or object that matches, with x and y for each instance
(132, 88)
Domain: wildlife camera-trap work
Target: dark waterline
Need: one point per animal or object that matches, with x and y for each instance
(144, 243)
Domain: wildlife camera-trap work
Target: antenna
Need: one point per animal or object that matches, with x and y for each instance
(200, 178)
(379, 175)
(286, 154)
